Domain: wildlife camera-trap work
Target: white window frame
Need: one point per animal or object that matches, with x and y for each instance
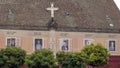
(10, 38)
(115, 44)
(34, 42)
(69, 43)
(92, 41)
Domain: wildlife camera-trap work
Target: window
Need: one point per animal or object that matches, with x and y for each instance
(38, 43)
(88, 41)
(10, 41)
(65, 44)
(112, 45)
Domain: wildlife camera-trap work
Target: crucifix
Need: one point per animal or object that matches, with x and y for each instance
(52, 24)
(52, 9)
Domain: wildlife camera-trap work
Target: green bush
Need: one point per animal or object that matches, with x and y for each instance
(96, 55)
(43, 58)
(70, 59)
(12, 57)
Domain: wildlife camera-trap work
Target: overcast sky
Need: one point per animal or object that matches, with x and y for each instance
(118, 3)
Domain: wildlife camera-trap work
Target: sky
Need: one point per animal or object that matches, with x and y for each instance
(118, 3)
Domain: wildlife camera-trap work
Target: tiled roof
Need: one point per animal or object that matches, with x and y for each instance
(73, 15)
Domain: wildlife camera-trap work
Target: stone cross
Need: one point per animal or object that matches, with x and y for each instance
(52, 9)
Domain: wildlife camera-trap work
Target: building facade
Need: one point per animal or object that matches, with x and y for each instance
(77, 23)
(73, 41)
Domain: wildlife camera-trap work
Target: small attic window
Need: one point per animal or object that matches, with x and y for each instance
(109, 20)
(67, 14)
(11, 15)
(111, 25)
(107, 17)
